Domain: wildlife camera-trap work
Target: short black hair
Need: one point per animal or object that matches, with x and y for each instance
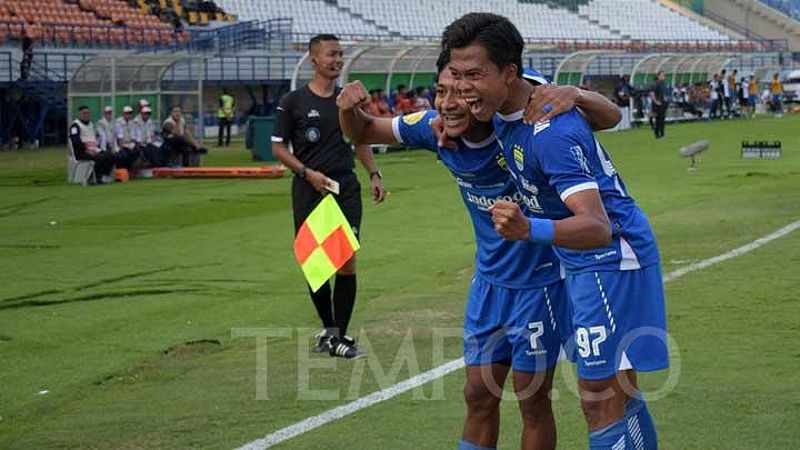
(500, 38)
(443, 60)
(321, 38)
(82, 107)
(400, 87)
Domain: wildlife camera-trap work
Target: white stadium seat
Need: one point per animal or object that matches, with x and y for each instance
(645, 20)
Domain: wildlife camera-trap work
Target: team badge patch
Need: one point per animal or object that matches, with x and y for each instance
(312, 134)
(411, 119)
(519, 157)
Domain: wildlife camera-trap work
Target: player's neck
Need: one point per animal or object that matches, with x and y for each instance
(321, 86)
(520, 93)
(478, 132)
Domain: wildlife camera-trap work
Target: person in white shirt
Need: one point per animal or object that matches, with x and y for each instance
(147, 140)
(716, 107)
(105, 131)
(127, 151)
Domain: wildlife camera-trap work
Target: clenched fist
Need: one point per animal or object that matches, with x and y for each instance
(353, 95)
(509, 221)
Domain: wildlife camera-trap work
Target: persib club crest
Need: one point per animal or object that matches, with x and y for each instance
(519, 157)
(411, 119)
(312, 134)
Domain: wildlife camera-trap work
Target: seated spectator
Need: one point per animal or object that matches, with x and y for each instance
(147, 140)
(411, 105)
(181, 151)
(105, 131)
(378, 106)
(423, 103)
(83, 138)
(126, 143)
(177, 119)
(400, 100)
(178, 136)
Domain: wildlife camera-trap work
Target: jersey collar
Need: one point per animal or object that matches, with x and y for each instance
(511, 117)
(481, 144)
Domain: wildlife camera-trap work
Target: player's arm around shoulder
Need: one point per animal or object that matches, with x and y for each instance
(548, 100)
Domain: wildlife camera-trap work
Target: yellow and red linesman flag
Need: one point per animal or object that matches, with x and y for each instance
(324, 243)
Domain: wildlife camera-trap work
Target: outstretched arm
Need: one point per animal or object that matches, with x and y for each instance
(360, 127)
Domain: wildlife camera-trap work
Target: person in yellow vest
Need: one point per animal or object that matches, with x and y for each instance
(776, 89)
(731, 98)
(752, 94)
(227, 107)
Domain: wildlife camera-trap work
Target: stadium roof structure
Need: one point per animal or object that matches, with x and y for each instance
(675, 64)
(378, 58)
(114, 79)
(678, 67)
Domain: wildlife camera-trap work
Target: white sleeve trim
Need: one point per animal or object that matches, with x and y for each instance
(577, 188)
(396, 129)
(277, 139)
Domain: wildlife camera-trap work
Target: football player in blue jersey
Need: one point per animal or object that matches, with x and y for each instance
(515, 310)
(576, 200)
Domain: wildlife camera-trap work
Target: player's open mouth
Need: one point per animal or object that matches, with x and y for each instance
(453, 120)
(475, 104)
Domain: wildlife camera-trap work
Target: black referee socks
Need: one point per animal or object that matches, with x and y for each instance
(322, 301)
(344, 300)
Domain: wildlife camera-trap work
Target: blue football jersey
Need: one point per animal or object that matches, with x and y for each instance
(552, 160)
(483, 178)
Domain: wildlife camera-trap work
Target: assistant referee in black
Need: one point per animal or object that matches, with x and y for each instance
(308, 118)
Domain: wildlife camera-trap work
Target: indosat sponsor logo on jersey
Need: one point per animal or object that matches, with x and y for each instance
(483, 202)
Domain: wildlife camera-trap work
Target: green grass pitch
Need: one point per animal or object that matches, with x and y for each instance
(101, 288)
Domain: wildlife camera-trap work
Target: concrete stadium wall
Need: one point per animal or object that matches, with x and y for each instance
(761, 19)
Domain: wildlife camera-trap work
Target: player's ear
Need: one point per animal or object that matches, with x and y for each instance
(510, 73)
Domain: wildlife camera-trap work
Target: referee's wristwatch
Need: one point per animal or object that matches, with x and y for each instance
(377, 173)
(301, 172)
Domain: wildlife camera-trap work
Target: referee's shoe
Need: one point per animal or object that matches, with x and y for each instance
(345, 347)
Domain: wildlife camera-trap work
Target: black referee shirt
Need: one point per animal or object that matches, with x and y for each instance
(311, 124)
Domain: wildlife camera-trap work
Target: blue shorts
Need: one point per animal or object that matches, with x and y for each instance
(523, 327)
(619, 322)
(753, 100)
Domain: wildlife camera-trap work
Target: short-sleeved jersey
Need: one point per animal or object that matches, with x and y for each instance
(776, 87)
(311, 124)
(551, 161)
(482, 176)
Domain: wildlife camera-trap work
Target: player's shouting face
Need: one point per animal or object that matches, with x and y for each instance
(479, 81)
(452, 108)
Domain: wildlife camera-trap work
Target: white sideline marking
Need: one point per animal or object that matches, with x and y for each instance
(349, 408)
(406, 385)
(677, 273)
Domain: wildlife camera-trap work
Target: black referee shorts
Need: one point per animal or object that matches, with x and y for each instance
(305, 198)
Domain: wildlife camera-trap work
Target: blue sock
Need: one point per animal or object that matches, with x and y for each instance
(641, 428)
(464, 445)
(634, 431)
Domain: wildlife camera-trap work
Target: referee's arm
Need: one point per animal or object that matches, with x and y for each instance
(364, 154)
(280, 149)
